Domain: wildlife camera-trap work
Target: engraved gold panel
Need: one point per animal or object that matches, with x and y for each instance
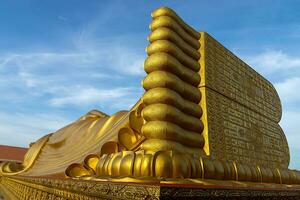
(225, 73)
(237, 133)
(241, 110)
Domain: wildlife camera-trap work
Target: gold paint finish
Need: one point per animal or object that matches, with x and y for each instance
(154, 145)
(166, 62)
(91, 134)
(175, 164)
(164, 33)
(225, 73)
(171, 114)
(170, 131)
(34, 151)
(166, 21)
(241, 110)
(235, 132)
(168, 80)
(164, 112)
(165, 11)
(77, 170)
(170, 97)
(171, 48)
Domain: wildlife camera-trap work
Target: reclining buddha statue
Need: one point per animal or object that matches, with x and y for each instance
(205, 115)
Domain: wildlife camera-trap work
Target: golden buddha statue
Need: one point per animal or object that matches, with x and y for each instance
(205, 114)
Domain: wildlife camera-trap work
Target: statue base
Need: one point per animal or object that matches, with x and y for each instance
(60, 188)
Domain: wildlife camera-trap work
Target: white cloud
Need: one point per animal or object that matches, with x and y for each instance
(71, 78)
(127, 62)
(62, 18)
(79, 96)
(20, 129)
(63, 93)
(35, 59)
(290, 98)
(288, 90)
(295, 157)
(92, 69)
(28, 79)
(120, 59)
(290, 125)
(272, 61)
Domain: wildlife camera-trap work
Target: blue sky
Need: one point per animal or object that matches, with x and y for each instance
(60, 59)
